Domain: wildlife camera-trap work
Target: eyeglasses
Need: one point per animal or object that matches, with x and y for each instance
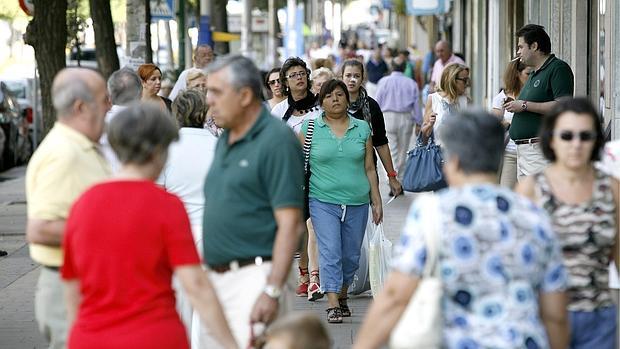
(584, 136)
(299, 74)
(273, 82)
(465, 80)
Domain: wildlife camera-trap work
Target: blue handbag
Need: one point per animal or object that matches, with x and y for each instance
(423, 171)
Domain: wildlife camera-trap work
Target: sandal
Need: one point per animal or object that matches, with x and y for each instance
(334, 315)
(302, 289)
(344, 308)
(314, 289)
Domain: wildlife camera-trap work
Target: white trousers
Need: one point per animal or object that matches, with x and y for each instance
(183, 306)
(237, 292)
(398, 127)
(50, 311)
(530, 160)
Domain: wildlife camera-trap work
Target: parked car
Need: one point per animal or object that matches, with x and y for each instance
(23, 90)
(17, 143)
(88, 57)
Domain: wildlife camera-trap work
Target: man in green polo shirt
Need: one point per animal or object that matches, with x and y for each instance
(551, 79)
(253, 200)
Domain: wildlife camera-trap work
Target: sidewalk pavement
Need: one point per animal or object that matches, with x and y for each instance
(19, 273)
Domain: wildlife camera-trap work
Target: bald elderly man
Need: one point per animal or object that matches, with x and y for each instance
(443, 51)
(66, 163)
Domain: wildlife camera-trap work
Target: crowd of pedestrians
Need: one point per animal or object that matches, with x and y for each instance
(176, 223)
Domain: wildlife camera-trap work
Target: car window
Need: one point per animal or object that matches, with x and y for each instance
(17, 88)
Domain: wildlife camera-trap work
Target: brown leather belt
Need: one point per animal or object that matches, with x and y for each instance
(239, 263)
(528, 140)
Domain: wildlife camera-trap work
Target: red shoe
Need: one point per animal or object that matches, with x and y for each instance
(302, 289)
(314, 292)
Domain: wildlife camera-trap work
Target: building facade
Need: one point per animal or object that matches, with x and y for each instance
(584, 33)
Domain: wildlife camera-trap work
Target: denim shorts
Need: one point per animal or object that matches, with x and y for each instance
(339, 232)
(593, 329)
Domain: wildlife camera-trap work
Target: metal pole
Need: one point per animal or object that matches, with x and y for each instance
(246, 29)
(35, 110)
(204, 34)
(181, 31)
(272, 56)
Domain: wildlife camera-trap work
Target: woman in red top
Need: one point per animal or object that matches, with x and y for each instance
(123, 241)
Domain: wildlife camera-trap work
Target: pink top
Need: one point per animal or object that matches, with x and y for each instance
(439, 66)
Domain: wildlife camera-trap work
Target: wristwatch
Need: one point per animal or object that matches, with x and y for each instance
(272, 291)
(524, 106)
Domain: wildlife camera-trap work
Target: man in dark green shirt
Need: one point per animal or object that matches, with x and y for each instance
(253, 198)
(551, 79)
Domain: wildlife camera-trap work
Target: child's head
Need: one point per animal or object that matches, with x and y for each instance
(297, 331)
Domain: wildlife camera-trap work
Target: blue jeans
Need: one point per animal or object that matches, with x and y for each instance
(339, 231)
(593, 329)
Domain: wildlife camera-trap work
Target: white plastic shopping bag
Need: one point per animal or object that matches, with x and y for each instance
(379, 259)
(361, 281)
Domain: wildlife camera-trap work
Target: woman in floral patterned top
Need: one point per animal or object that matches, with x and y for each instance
(582, 202)
(500, 264)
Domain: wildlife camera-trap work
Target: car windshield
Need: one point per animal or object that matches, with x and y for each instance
(17, 88)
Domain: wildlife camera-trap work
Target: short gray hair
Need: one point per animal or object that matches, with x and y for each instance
(140, 131)
(69, 91)
(124, 86)
(476, 138)
(243, 73)
(322, 72)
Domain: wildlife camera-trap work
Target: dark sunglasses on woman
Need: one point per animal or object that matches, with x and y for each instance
(584, 136)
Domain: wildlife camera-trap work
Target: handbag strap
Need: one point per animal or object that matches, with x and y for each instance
(432, 237)
(308, 144)
(431, 139)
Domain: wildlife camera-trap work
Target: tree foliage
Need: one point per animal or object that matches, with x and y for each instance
(9, 10)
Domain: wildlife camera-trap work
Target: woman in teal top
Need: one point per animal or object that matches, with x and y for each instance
(343, 182)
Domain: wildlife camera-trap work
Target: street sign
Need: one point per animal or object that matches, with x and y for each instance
(427, 7)
(27, 6)
(162, 9)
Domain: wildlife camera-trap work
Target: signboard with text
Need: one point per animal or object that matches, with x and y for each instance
(162, 9)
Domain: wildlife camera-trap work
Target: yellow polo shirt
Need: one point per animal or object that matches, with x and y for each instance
(62, 168)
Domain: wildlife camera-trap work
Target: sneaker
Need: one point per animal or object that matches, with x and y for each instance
(302, 289)
(314, 292)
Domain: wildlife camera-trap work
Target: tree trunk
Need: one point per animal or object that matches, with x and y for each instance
(148, 58)
(107, 59)
(219, 16)
(49, 50)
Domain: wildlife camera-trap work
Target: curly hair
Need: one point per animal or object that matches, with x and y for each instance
(140, 131)
(190, 109)
(288, 64)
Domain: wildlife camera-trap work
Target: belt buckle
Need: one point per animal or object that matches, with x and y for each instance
(234, 265)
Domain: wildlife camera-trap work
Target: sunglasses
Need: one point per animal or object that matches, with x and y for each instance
(301, 74)
(273, 82)
(584, 136)
(465, 80)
